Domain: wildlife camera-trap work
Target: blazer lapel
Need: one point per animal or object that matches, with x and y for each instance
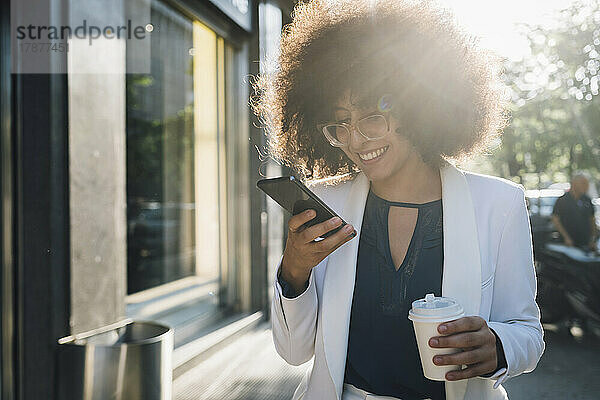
(462, 262)
(461, 277)
(338, 285)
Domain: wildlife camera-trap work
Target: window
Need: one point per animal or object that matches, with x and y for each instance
(176, 158)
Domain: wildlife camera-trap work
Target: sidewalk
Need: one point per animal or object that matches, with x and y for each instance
(568, 370)
(250, 369)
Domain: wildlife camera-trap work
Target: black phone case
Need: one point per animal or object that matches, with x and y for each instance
(308, 200)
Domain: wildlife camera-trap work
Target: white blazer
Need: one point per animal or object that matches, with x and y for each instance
(488, 267)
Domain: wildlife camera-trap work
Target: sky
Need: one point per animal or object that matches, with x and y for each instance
(494, 21)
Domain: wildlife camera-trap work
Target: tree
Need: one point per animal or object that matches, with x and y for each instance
(555, 124)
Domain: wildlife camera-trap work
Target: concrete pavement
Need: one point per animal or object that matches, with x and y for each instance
(250, 369)
(568, 370)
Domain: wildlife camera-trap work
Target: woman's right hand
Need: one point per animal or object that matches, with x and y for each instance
(302, 253)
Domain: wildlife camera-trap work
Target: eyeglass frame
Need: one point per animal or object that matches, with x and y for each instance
(336, 143)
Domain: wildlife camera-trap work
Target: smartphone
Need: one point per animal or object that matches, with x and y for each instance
(291, 194)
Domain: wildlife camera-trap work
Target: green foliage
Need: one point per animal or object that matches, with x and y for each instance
(555, 124)
(160, 147)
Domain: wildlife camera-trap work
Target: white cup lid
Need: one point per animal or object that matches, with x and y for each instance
(432, 307)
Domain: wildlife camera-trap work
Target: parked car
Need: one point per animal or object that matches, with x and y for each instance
(157, 251)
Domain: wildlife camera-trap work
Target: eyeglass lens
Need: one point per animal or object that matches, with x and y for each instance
(372, 127)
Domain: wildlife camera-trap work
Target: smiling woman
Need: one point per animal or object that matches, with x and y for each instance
(380, 94)
(444, 89)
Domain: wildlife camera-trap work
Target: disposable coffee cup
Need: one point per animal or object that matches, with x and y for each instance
(426, 314)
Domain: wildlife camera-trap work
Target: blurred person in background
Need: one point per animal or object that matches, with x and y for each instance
(573, 215)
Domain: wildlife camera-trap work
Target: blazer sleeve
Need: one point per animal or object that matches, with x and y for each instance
(294, 322)
(515, 316)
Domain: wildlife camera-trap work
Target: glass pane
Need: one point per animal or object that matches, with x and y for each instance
(172, 156)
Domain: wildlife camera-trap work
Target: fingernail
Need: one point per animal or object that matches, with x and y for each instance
(442, 328)
(310, 213)
(437, 360)
(433, 342)
(348, 228)
(334, 220)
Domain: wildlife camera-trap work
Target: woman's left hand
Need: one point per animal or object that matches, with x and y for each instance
(475, 338)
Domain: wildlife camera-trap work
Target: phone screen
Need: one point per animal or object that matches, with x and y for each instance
(292, 195)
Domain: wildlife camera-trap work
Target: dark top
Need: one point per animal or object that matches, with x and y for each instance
(575, 215)
(383, 357)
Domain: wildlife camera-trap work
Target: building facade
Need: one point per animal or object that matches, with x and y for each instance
(128, 176)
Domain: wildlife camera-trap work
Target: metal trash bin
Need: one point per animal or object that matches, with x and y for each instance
(123, 361)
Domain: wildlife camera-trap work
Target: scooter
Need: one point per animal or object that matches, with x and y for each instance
(568, 284)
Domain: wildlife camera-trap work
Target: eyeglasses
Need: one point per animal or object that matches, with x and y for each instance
(372, 127)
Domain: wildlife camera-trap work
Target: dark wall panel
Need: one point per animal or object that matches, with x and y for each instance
(42, 229)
